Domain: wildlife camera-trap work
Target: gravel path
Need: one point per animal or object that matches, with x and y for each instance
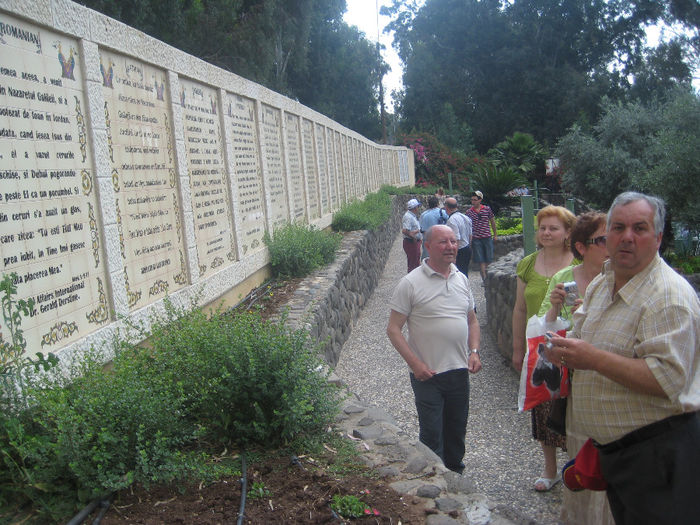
(502, 458)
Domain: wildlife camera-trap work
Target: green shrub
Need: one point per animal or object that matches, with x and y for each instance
(409, 190)
(349, 506)
(509, 225)
(368, 214)
(296, 250)
(196, 379)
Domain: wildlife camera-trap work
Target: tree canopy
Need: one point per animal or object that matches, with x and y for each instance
(532, 65)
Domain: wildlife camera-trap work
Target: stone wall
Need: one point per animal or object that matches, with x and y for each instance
(500, 290)
(328, 302)
(131, 171)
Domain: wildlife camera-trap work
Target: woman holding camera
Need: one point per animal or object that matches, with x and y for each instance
(535, 272)
(564, 296)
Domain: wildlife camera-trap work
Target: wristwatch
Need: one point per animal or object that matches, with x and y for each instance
(474, 351)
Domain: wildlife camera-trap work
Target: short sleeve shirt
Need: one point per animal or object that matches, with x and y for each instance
(410, 222)
(481, 221)
(462, 227)
(437, 310)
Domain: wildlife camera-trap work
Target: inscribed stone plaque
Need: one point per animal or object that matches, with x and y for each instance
(310, 163)
(294, 160)
(213, 224)
(49, 231)
(248, 175)
(141, 156)
(332, 175)
(342, 168)
(274, 169)
(322, 169)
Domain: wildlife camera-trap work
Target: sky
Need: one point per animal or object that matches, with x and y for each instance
(363, 15)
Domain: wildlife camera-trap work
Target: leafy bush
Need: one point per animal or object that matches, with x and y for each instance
(509, 225)
(495, 182)
(147, 418)
(349, 506)
(369, 214)
(296, 250)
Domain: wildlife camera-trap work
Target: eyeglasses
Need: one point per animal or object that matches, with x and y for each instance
(598, 241)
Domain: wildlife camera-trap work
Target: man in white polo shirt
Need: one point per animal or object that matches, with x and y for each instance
(436, 301)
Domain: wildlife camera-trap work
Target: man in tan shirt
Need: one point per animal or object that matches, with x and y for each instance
(636, 386)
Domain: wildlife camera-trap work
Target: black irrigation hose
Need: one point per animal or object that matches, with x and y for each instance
(244, 489)
(104, 501)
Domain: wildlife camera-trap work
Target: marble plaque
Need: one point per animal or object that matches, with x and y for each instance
(332, 174)
(342, 169)
(274, 168)
(310, 166)
(213, 223)
(322, 166)
(295, 174)
(141, 156)
(241, 120)
(49, 229)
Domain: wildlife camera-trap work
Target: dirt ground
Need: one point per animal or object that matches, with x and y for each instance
(291, 493)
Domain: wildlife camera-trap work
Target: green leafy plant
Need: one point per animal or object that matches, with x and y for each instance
(495, 182)
(349, 506)
(258, 491)
(296, 250)
(368, 214)
(509, 225)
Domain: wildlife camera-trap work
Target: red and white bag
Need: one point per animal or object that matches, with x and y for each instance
(541, 380)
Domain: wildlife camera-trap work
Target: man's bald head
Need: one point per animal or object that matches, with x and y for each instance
(451, 203)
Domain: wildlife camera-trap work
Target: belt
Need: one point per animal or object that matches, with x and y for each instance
(647, 432)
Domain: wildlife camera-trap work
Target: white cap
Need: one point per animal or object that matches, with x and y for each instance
(413, 203)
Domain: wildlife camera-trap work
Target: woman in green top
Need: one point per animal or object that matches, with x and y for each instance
(554, 224)
(586, 507)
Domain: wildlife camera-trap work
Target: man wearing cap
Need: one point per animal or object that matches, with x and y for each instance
(410, 228)
(442, 348)
(635, 348)
(482, 243)
(462, 227)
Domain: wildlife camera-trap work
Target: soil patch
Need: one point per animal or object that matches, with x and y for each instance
(268, 298)
(285, 493)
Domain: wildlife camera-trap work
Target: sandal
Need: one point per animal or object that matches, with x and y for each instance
(547, 483)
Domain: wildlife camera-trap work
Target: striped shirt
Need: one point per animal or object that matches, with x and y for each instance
(481, 221)
(655, 316)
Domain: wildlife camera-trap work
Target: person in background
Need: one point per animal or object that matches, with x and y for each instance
(412, 237)
(462, 227)
(586, 507)
(483, 221)
(535, 271)
(635, 348)
(443, 344)
(440, 194)
(430, 217)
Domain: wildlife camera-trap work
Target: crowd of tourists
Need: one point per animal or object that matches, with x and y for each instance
(631, 350)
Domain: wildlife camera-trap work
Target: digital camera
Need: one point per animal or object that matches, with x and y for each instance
(571, 289)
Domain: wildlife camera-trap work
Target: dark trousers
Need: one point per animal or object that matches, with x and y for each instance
(464, 256)
(656, 480)
(442, 403)
(412, 249)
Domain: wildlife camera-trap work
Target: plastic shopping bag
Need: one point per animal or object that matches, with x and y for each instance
(541, 380)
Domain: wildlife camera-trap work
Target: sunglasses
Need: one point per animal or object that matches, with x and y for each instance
(598, 241)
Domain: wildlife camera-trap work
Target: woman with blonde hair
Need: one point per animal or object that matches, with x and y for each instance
(535, 271)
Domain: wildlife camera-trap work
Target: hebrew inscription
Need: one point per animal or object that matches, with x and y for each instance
(48, 220)
(143, 176)
(213, 223)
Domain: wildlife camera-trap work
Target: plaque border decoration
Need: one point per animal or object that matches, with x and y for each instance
(108, 123)
(67, 65)
(107, 74)
(171, 170)
(60, 330)
(94, 234)
(115, 180)
(120, 230)
(181, 278)
(218, 261)
(178, 224)
(132, 297)
(86, 178)
(99, 314)
(158, 287)
(82, 134)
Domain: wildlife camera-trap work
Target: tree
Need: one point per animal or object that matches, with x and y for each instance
(520, 152)
(651, 148)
